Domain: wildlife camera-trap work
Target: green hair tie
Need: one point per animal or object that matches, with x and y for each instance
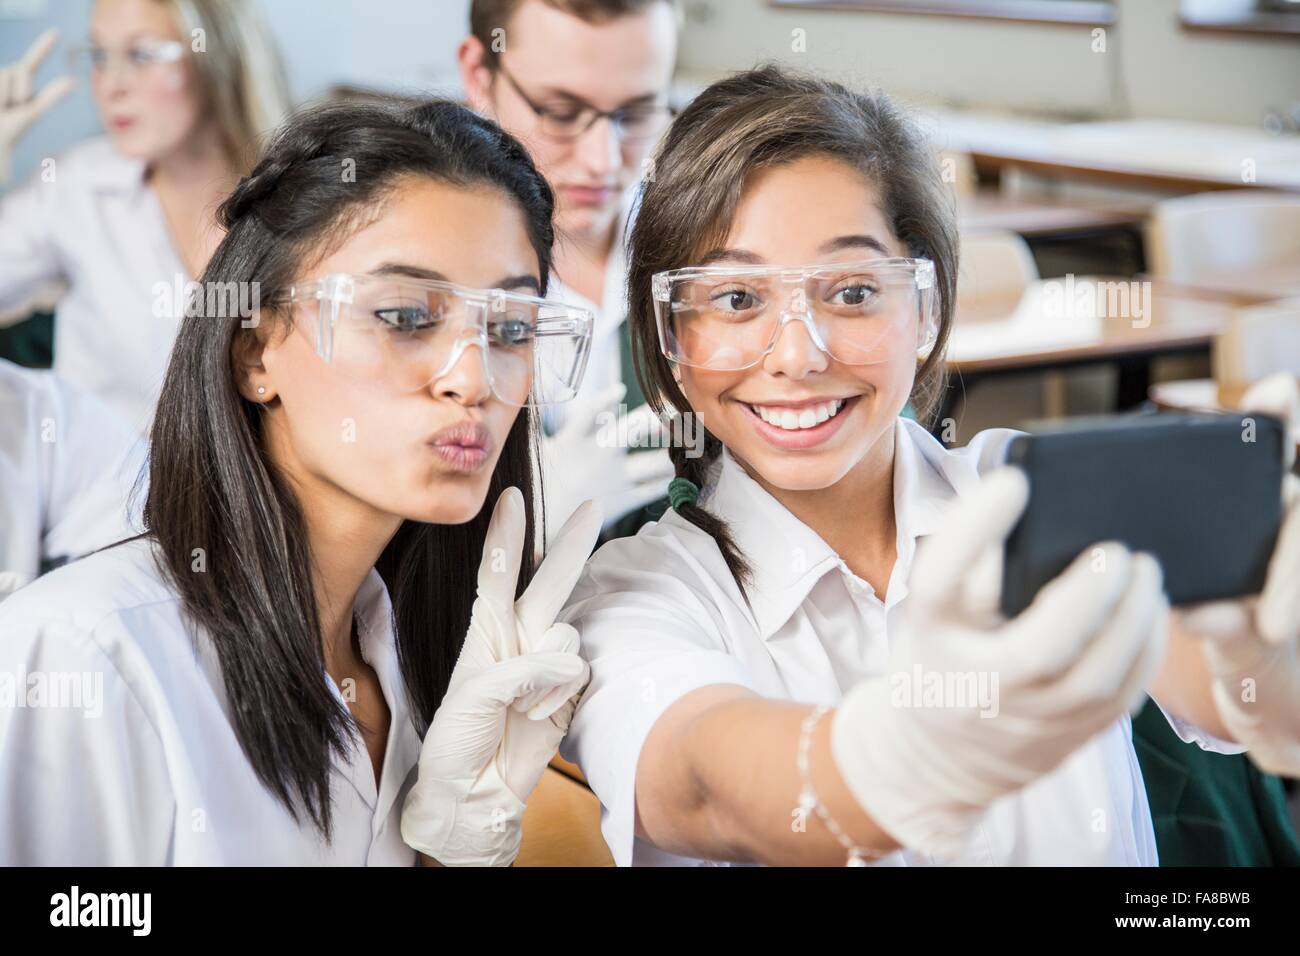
(682, 491)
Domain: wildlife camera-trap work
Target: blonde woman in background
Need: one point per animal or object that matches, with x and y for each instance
(184, 89)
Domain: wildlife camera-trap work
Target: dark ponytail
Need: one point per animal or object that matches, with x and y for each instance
(211, 486)
(696, 471)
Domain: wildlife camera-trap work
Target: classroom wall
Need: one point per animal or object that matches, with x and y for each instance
(1151, 68)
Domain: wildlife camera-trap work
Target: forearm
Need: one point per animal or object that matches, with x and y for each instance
(1182, 685)
(718, 779)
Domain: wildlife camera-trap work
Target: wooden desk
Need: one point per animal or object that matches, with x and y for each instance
(989, 209)
(561, 825)
(1195, 395)
(1203, 395)
(1173, 155)
(1043, 331)
(1248, 285)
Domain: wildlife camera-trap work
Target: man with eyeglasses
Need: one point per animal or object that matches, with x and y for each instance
(584, 84)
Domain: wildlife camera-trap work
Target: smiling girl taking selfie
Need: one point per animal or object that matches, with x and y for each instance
(793, 270)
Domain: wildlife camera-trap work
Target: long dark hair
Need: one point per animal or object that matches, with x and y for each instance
(766, 117)
(211, 486)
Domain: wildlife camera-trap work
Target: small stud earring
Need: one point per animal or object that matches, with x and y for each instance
(261, 390)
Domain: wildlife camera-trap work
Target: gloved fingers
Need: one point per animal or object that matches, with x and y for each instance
(498, 570)
(981, 520)
(1277, 395)
(1075, 607)
(1278, 612)
(1230, 703)
(37, 52)
(545, 699)
(542, 704)
(982, 588)
(20, 77)
(1224, 620)
(506, 682)
(551, 586)
(1117, 667)
(50, 94)
(559, 638)
(562, 716)
(1066, 615)
(1228, 640)
(491, 637)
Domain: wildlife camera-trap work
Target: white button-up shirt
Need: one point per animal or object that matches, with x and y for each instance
(604, 362)
(660, 615)
(143, 767)
(92, 222)
(67, 469)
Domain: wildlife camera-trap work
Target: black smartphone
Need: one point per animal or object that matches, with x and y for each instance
(1200, 492)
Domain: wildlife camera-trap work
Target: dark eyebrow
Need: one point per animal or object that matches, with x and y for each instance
(521, 282)
(411, 272)
(838, 244)
(415, 272)
(730, 255)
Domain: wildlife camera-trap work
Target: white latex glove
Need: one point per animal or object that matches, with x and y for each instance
(512, 693)
(1068, 667)
(585, 461)
(21, 104)
(11, 581)
(1250, 644)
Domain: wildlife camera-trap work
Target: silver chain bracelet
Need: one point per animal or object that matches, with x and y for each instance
(808, 800)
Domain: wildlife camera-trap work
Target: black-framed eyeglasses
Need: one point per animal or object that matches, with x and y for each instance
(632, 124)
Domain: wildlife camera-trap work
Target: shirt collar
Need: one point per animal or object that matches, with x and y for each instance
(113, 172)
(788, 558)
(377, 636)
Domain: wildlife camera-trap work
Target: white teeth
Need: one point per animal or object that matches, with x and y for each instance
(791, 420)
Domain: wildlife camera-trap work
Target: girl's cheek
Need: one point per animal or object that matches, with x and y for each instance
(171, 99)
(704, 391)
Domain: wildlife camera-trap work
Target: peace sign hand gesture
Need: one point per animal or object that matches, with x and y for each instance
(511, 695)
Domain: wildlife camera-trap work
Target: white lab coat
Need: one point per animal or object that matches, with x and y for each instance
(67, 469)
(144, 768)
(92, 222)
(660, 615)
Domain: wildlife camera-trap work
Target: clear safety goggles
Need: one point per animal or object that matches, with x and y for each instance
(143, 55)
(728, 318)
(406, 333)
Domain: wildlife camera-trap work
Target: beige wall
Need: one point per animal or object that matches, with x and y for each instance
(1151, 67)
